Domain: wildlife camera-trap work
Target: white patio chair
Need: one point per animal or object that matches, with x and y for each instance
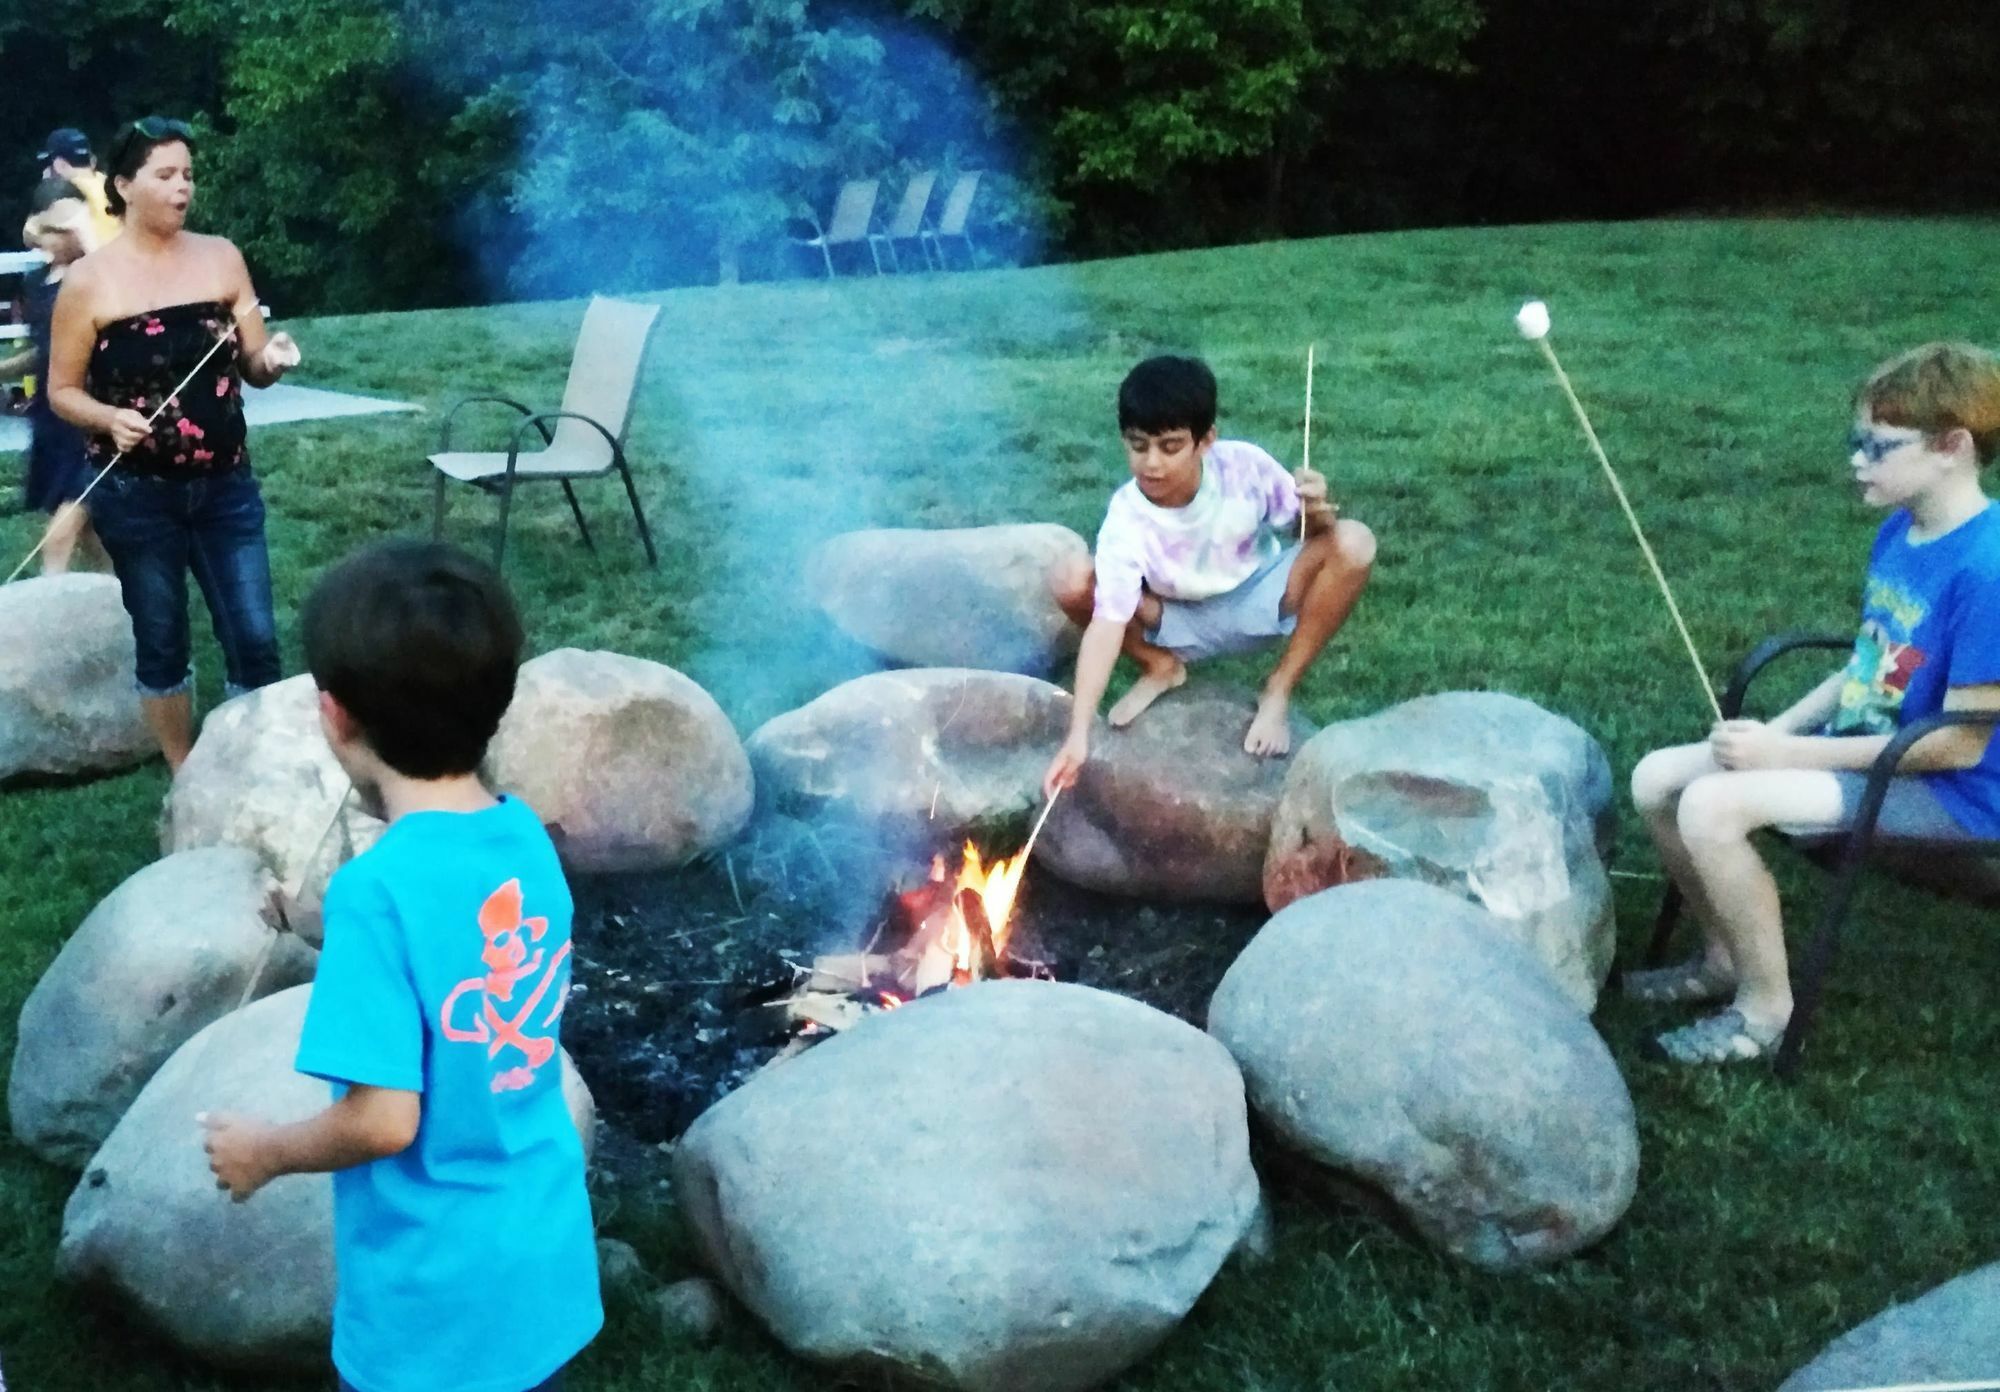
(853, 221)
(588, 438)
(908, 224)
(952, 222)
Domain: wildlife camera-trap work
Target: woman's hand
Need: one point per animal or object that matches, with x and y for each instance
(128, 429)
(1319, 511)
(277, 356)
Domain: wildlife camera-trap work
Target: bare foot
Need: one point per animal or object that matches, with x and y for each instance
(1271, 730)
(1151, 686)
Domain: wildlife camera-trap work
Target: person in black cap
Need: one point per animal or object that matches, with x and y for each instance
(66, 155)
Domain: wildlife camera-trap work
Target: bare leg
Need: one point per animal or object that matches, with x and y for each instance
(1327, 578)
(66, 528)
(1074, 586)
(171, 719)
(1717, 815)
(1657, 784)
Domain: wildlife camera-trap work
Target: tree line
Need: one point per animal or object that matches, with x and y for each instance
(376, 154)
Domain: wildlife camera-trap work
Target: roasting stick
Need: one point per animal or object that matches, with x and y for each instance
(1307, 461)
(28, 559)
(1040, 822)
(1533, 322)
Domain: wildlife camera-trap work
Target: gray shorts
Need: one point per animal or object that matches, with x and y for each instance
(1911, 809)
(1247, 617)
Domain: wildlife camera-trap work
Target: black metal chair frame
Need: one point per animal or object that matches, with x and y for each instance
(503, 484)
(1849, 851)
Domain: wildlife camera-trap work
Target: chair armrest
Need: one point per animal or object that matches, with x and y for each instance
(1890, 760)
(540, 422)
(444, 434)
(1767, 652)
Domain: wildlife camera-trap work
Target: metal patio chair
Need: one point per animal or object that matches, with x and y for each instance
(853, 223)
(908, 224)
(1845, 854)
(588, 435)
(952, 221)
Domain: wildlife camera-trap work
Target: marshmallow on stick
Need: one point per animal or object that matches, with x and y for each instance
(1533, 322)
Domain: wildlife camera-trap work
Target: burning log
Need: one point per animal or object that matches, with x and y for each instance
(940, 934)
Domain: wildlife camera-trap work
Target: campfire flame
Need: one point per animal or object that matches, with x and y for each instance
(951, 930)
(996, 886)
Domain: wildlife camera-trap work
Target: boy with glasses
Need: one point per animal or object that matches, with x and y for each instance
(1926, 423)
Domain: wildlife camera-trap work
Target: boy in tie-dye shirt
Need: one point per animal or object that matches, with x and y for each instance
(1199, 556)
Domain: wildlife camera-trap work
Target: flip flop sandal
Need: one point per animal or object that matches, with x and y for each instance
(1723, 1038)
(1688, 983)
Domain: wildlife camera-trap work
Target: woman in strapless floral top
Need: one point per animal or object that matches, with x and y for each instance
(132, 322)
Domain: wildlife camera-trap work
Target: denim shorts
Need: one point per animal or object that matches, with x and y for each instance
(1910, 809)
(1245, 618)
(157, 530)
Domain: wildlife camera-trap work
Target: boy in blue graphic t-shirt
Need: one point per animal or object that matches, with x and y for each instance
(1925, 424)
(463, 1243)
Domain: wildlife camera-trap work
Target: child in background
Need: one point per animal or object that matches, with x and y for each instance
(1198, 556)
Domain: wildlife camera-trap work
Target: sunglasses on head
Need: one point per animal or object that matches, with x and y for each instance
(151, 128)
(1872, 446)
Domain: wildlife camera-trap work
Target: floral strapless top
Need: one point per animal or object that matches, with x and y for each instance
(139, 360)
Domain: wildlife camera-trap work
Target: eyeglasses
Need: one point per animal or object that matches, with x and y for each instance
(150, 128)
(1874, 447)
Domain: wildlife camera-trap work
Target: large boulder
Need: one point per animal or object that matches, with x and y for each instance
(930, 752)
(1391, 1034)
(973, 597)
(170, 951)
(631, 765)
(1486, 795)
(261, 776)
(1948, 1335)
(1018, 1184)
(67, 702)
(249, 1285)
(1171, 807)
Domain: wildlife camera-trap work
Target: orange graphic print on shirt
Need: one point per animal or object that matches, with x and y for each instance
(496, 1020)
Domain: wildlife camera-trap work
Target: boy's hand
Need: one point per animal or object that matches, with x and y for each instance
(236, 1153)
(1312, 497)
(1748, 744)
(1067, 764)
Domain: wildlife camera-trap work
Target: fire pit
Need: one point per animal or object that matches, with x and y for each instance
(951, 930)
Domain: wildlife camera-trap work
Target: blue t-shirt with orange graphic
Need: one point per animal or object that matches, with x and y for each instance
(467, 1263)
(1930, 620)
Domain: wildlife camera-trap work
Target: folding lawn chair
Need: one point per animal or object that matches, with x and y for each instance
(957, 209)
(853, 222)
(588, 439)
(908, 224)
(1844, 853)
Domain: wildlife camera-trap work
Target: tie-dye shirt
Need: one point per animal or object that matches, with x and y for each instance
(1224, 536)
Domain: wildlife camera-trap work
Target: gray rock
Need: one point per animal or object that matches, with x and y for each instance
(245, 1286)
(1488, 796)
(689, 1311)
(67, 703)
(1388, 1033)
(930, 752)
(1171, 807)
(261, 776)
(974, 597)
(1950, 1334)
(619, 1269)
(170, 951)
(241, 1285)
(629, 764)
(1017, 1184)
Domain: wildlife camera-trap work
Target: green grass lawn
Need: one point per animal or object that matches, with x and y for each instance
(1716, 359)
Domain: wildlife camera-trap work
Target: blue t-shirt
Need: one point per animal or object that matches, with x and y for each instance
(1930, 620)
(467, 1263)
